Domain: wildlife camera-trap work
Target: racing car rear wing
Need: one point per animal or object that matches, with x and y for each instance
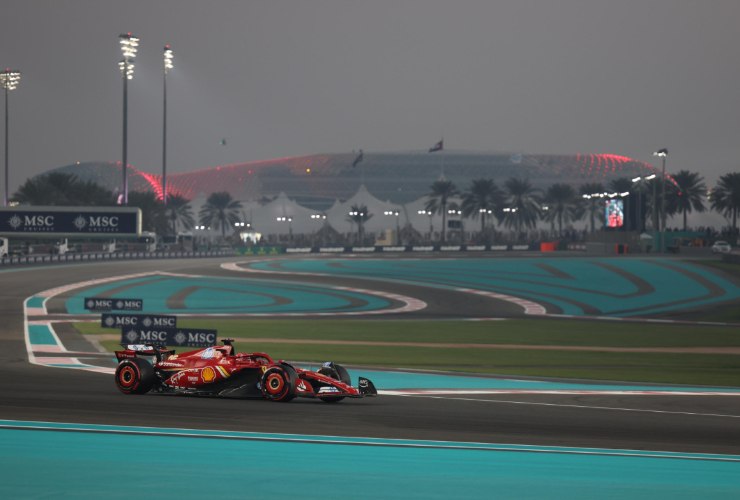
(133, 350)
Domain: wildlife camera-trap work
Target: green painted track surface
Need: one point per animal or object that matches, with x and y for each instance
(608, 286)
(96, 461)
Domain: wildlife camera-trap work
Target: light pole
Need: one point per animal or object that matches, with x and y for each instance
(319, 218)
(129, 46)
(359, 217)
(638, 180)
(167, 67)
(454, 211)
(511, 212)
(431, 226)
(289, 220)
(662, 153)
(638, 187)
(396, 214)
(9, 80)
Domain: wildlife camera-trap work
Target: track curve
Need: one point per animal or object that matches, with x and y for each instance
(707, 424)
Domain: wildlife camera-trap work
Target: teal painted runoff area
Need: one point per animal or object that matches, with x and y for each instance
(583, 286)
(89, 461)
(41, 335)
(390, 380)
(207, 295)
(35, 302)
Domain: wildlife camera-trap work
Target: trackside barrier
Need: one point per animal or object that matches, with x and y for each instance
(10, 260)
(413, 249)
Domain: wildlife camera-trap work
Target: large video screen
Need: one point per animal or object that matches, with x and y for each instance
(614, 213)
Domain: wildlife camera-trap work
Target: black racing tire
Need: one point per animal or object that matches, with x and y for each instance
(337, 372)
(278, 383)
(135, 376)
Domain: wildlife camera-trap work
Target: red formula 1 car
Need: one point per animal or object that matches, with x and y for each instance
(220, 371)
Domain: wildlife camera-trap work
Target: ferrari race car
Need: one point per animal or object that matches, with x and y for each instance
(220, 371)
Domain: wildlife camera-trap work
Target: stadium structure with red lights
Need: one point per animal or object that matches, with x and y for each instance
(316, 181)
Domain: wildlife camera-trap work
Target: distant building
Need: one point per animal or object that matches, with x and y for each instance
(316, 182)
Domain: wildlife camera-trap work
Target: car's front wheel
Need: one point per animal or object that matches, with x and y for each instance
(337, 372)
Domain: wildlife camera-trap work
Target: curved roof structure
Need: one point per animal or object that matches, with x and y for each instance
(317, 181)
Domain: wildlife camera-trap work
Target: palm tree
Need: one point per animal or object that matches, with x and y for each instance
(220, 211)
(152, 211)
(359, 215)
(591, 205)
(524, 204)
(442, 191)
(482, 198)
(60, 188)
(179, 212)
(687, 196)
(725, 197)
(562, 205)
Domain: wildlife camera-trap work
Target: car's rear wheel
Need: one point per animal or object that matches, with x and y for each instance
(337, 372)
(135, 376)
(278, 383)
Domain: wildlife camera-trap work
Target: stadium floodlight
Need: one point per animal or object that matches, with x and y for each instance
(129, 47)
(9, 80)
(167, 58)
(167, 67)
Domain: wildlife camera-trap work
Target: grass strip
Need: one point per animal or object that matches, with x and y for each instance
(692, 369)
(518, 332)
(667, 368)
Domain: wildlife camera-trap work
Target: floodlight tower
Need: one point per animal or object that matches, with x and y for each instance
(129, 47)
(9, 80)
(167, 67)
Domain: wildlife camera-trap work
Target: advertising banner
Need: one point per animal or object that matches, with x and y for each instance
(184, 337)
(70, 222)
(113, 304)
(113, 320)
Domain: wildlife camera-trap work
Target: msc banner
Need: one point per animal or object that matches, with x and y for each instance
(184, 337)
(113, 320)
(70, 222)
(113, 304)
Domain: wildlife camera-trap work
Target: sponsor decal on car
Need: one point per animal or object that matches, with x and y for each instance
(208, 374)
(169, 364)
(325, 390)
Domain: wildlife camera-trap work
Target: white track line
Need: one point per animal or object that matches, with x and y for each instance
(635, 410)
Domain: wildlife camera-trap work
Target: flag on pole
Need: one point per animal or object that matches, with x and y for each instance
(437, 147)
(358, 159)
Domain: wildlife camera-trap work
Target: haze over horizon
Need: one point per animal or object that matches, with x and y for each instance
(277, 79)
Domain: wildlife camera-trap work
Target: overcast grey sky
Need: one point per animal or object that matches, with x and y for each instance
(285, 78)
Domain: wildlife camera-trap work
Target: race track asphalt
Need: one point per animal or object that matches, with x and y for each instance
(701, 424)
